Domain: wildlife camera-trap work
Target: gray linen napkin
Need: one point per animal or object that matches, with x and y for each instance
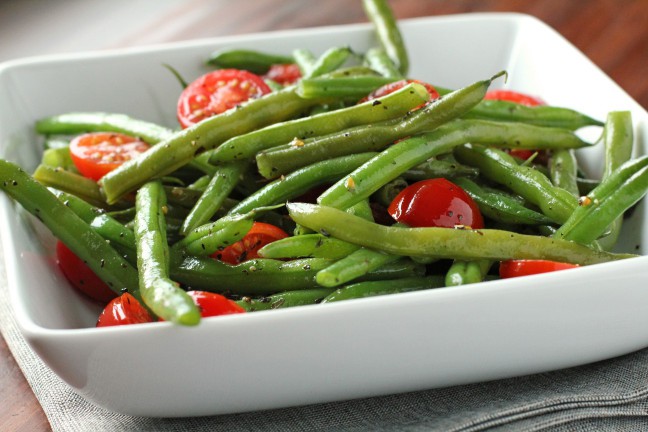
(605, 396)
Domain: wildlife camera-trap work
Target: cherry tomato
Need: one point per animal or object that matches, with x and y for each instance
(435, 203)
(96, 154)
(284, 74)
(123, 310)
(81, 276)
(515, 268)
(513, 96)
(259, 235)
(212, 304)
(216, 92)
(392, 87)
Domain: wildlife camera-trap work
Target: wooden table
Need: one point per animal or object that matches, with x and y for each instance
(614, 34)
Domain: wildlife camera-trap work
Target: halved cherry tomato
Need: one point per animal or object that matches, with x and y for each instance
(284, 74)
(514, 96)
(246, 249)
(81, 276)
(435, 203)
(397, 85)
(216, 92)
(515, 268)
(211, 304)
(96, 154)
(123, 310)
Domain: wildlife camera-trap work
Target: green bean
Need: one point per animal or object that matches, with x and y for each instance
(389, 36)
(501, 207)
(443, 242)
(159, 292)
(284, 299)
(544, 115)
(58, 158)
(219, 188)
(563, 168)
(607, 202)
(181, 147)
(80, 122)
(434, 168)
(282, 159)
(377, 288)
(332, 59)
(307, 246)
(352, 87)
(69, 228)
(397, 159)
(301, 181)
(356, 264)
(618, 139)
(70, 182)
(388, 107)
(498, 166)
(305, 60)
(467, 272)
(254, 61)
(378, 60)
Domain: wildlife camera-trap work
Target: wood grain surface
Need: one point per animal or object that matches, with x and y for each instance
(612, 33)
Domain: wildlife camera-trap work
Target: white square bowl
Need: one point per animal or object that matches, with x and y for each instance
(329, 352)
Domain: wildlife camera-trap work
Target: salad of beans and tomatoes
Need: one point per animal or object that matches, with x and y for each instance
(295, 179)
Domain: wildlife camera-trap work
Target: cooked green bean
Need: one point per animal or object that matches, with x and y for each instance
(351, 87)
(443, 242)
(377, 288)
(71, 182)
(391, 106)
(563, 168)
(159, 293)
(285, 299)
(353, 266)
(389, 36)
(329, 61)
(254, 61)
(307, 246)
(77, 235)
(378, 60)
(433, 168)
(182, 146)
(467, 272)
(408, 153)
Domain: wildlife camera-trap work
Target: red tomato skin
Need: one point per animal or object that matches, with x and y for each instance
(435, 203)
(212, 304)
(397, 85)
(284, 74)
(217, 92)
(246, 249)
(516, 268)
(123, 310)
(96, 154)
(514, 96)
(81, 276)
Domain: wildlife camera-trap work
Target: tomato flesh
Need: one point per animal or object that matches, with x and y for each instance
(247, 248)
(217, 92)
(96, 154)
(81, 276)
(124, 310)
(397, 85)
(436, 203)
(513, 96)
(516, 268)
(212, 304)
(284, 74)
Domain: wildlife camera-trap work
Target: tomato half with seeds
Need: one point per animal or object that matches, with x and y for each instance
(514, 96)
(212, 304)
(247, 248)
(124, 310)
(81, 276)
(436, 203)
(516, 268)
(96, 154)
(397, 85)
(217, 92)
(284, 74)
